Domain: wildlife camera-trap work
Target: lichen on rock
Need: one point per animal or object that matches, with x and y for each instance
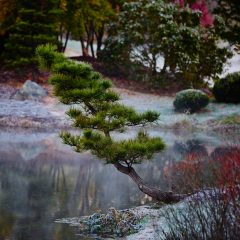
(115, 223)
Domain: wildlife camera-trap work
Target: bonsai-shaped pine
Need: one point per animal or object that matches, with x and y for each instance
(99, 114)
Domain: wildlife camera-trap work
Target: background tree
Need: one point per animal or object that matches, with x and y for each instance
(86, 21)
(204, 6)
(67, 21)
(149, 30)
(8, 13)
(8, 8)
(34, 25)
(100, 115)
(229, 10)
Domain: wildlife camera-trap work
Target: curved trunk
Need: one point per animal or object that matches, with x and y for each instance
(154, 192)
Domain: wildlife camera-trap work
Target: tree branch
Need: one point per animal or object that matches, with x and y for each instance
(154, 192)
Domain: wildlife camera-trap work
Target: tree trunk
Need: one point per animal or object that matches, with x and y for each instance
(61, 34)
(66, 41)
(154, 65)
(92, 48)
(88, 35)
(91, 38)
(99, 37)
(154, 192)
(84, 48)
(164, 66)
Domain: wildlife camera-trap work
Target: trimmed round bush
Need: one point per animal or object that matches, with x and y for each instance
(227, 89)
(190, 100)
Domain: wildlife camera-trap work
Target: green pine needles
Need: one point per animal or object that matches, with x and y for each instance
(35, 24)
(98, 111)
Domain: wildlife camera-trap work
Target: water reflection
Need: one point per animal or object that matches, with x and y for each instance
(42, 180)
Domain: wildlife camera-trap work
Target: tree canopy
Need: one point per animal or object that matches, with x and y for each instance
(148, 30)
(86, 21)
(99, 111)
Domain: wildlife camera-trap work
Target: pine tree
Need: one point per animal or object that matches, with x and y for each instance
(8, 12)
(35, 25)
(99, 114)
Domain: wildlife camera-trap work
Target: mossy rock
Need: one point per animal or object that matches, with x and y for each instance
(227, 89)
(190, 101)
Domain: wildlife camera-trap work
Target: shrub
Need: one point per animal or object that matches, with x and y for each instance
(190, 100)
(213, 212)
(228, 89)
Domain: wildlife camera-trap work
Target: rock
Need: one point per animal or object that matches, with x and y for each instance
(30, 90)
(114, 223)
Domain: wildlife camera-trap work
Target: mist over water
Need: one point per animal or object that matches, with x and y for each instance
(42, 180)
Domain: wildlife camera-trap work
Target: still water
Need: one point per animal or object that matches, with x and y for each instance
(42, 180)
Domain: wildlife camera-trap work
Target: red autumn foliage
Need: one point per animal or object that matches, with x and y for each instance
(215, 208)
(228, 175)
(207, 18)
(221, 169)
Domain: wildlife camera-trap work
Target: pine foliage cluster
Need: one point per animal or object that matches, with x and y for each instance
(97, 111)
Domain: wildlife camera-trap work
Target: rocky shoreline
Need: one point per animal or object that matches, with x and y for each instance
(147, 222)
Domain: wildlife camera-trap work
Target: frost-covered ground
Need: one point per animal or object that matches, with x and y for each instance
(48, 113)
(51, 113)
(168, 117)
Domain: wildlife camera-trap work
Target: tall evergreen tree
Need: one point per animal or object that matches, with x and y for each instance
(99, 114)
(8, 13)
(35, 24)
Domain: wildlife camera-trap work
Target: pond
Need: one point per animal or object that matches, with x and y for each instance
(42, 180)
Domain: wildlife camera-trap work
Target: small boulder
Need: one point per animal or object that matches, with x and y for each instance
(190, 101)
(30, 90)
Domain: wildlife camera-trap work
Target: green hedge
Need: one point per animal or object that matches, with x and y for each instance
(227, 89)
(190, 100)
